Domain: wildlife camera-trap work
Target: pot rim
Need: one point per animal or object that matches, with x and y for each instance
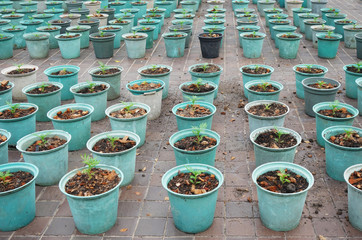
(340, 128)
(326, 105)
(208, 105)
(50, 113)
(37, 85)
(22, 105)
(119, 106)
(258, 102)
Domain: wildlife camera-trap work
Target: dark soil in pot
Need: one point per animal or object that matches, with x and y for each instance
(48, 88)
(310, 70)
(354, 69)
(348, 139)
(265, 87)
(131, 113)
(336, 113)
(208, 68)
(193, 143)
(155, 70)
(61, 73)
(17, 113)
(70, 114)
(275, 139)
(197, 88)
(4, 85)
(356, 179)
(256, 70)
(193, 111)
(189, 184)
(21, 71)
(113, 144)
(107, 71)
(93, 89)
(14, 180)
(144, 86)
(282, 181)
(322, 85)
(46, 143)
(69, 36)
(268, 110)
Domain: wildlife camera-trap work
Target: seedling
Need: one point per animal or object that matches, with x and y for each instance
(267, 106)
(205, 66)
(13, 107)
(283, 176)
(102, 67)
(134, 32)
(254, 34)
(198, 130)
(334, 106)
(18, 68)
(30, 18)
(264, 85)
(127, 107)
(43, 86)
(199, 83)
(329, 34)
(279, 134)
(154, 68)
(181, 24)
(193, 100)
(320, 83)
(194, 175)
(49, 25)
(348, 133)
(210, 31)
(359, 66)
(101, 34)
(256, 68)
(90, 164)
(91, 86)
(4, 175)
(309, 67)
(112, 141)
(148, 20)
(13, 27)
(42, 138)
(120, 19)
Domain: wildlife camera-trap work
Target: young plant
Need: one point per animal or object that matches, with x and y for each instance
(334, 106)
(154, 68)
(320, 83)
(279, 135)
(198, 130)
(102, 67)
(193, 100)
(329, 34)
(309, 67)
(210, 31)
(42, 138)
(283, 176)
(42, 87)
(205, 67)
(267, 106)
(90, 163)
(13, 107)
(359, 66)
(264, 85)
(4, 175)
(194, 175)
(91, 86)
(18, 68)
(112, 141)
(348, 133)
(101, 34)
(199, 82)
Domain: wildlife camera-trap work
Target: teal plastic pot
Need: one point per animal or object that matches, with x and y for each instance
(117, 30)
(296, 12)
(206, 156)
(188, 122)
(328, 47)
(103, 46)
(323, 122)
(19, 127)
(93, 23)
(215, 15)
(239, 4)
(351, 85)
(136, 125)
(67, 80)
(324, 12)
(53, 43)
(184, 208)
(277, 22)
(31, 25)
(18, 32)
(93, 214)
(168, 5)
(78, 128)
(308, 23)
(114, 80)
(165, 77)
(54, 5)
(247, 21)
(4, 147)
(349, 35)
(117, 5)
(98, 100)
(254, 96)
(270, 12)
(333, 16)
(263, 4)
(57, 12)
(288, 47)
(18, 205)
(246, 28)
(130, 14)
(27, 12)
(84, 31)
(300, 76)
(247, 77)
(110, 12)
(283, 29)
(211, 77)
(149, 31)
(6, 95)
(136, 47)
(354, 199)
(175, 46)
(339, 158)
(319, 29)
(45, 101)
(52, 164)
(185, 29)
(82, 11)
(69, 47)
(63, 23)
(37, 44)
(124, 161)
(126, 26)
(340, 23)
(157, 11)
(256, 122)
(202, 96)
(305, 16)
(6, 5)
(266, 155)
(6, 46)
(45, 17)
(359, 94)
(73, 5)
(281, 211)
(4, 23)
(191, 5)
(252, 46)
(152, 23)
(14, 20)
(313, 96)
(141, 6)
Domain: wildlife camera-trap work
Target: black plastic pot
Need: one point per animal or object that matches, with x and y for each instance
(358, 37)
(210, 47)
(63, 24)
(92, 22)
(103, 46)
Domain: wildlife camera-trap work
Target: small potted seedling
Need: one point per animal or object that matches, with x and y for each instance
(263, 90)
(203, 90)
(352, 73)
(6, 44)
(255, 72)
(175, 43)
(103, 44)
(252, 44)
(37, 44)
(98, 204)
(93, 6)
(69, 45)
(288, 44)
(328, 44)
(135, 44)
(210, 44)
(349, 35)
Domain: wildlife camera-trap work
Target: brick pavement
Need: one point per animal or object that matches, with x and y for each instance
(143, 209)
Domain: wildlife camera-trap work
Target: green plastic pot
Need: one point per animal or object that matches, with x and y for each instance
(82, 11)
(92, 22)
(130, 14)
(157, 17)
(269, 12)
(6, 5)
(184, 208)
(281, 211)
(313, 96)
(283, 29)
(84, 31)
(103, 46)
(4, 147)
(6, 95)
(136, 125)
(136, 47)
(53, 43)
(126, 26)
(300, 76)
(54, 4)
(185, 29)
(37, 44)
(78, 128)
(263, 4)
(328, 47)
(45, 17)
(339, 158)
(354, 199)
(333, 16)
(4, 23)
(288, 47)
(255, 96)
(247, 77)
(19, 127)
(168, 5)
(239, 4)
(52, 164)
(149, 31)
(69, 47)
(215, 15)
(175, 46)
(308, 23)
(31, 25)
(246, 28)
(97, 100)
(256, 122)
(351, 86)
(152, 23)
(141, 6)
(202, 96)
(93, 214)
(266, 155)
(18, 204)
(6, 46)
(305, 16)
(14, 20)
(165, 77)
(319, 29)
(114, 80)
(296, 12)
(359, 94)
(340, 23)
(124, 161)
(63, 23)
(277, 22)
(247, 21)
(349, 35)
(67, 80)
(323, 122)
(211, 77)
(110, 12)
(45, 101)
(191, 5)
(117, 30)
(19, 41)
(188, 122)
(56, 12)
(252, 46)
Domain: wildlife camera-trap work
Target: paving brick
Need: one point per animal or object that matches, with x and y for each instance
(62, 226)
(150, 227)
